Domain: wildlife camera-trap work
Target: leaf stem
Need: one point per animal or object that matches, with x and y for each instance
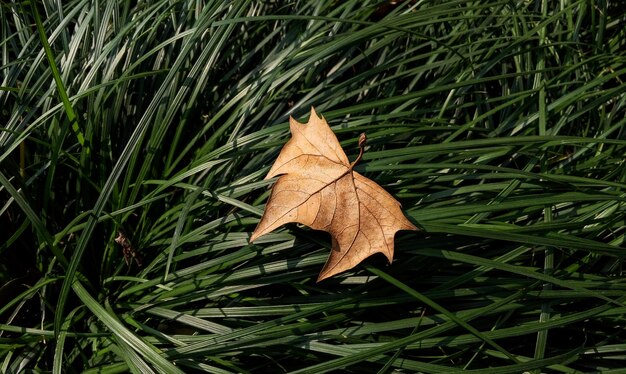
(362, 141)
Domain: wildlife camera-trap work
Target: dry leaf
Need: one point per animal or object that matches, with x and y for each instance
(318, 188)
(127, 249)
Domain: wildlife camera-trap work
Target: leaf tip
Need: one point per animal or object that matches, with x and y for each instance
(323, 276)
(410, 226)
(293, 122)
(259, 231)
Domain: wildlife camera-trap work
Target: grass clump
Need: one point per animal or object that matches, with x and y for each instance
(135, 137)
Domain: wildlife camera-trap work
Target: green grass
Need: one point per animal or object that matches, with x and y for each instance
(499, 126)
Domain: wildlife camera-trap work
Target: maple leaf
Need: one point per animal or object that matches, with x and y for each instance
(319, 188)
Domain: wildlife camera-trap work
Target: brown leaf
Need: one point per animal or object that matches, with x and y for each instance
(318, 188)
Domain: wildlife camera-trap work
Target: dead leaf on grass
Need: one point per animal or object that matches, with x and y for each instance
(319, 188)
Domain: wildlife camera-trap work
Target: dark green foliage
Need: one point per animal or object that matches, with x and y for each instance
(499, 126)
